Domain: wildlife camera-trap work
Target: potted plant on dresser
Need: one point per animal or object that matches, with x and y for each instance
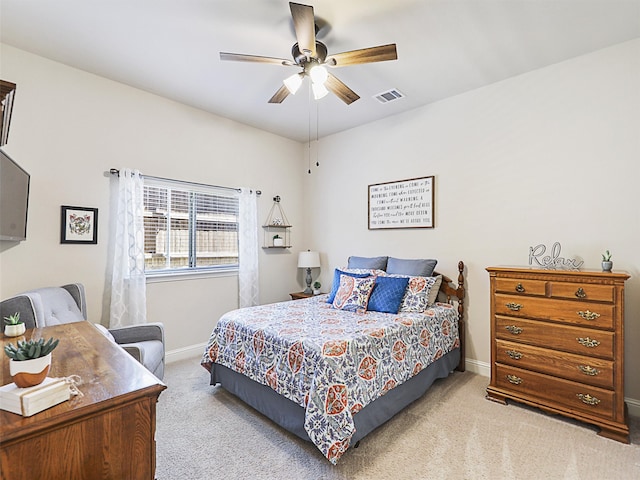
(13, 327)
(607, 264)
(30, 361)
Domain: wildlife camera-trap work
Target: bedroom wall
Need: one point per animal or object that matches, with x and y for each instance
(548, 156)
(69, 127)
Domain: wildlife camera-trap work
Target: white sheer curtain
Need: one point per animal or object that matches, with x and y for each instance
(248, 249)
(128, 303)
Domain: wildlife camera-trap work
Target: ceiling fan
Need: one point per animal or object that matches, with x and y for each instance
(311, 55)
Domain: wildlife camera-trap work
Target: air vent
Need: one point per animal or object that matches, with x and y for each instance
(389, 96)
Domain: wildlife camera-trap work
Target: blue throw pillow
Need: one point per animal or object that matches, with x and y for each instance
(418, 267)
(336, 282)
(374, 263)
(387, 294)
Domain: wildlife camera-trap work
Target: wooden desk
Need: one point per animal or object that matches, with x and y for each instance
(109, 433)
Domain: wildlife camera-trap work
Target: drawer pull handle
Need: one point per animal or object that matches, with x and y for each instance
(513, 306)
(519, 288)
(580, 293)
(588, 399)
(587, 342)
(513, 354)
(513, 329)
(587, 315)
(515, 380)
(588, 370)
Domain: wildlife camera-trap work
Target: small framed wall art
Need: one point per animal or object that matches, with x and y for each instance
(78, 225)
(402, 204)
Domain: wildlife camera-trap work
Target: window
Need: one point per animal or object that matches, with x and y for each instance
(189, 227)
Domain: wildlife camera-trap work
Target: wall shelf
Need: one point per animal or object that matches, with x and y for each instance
(277, 229)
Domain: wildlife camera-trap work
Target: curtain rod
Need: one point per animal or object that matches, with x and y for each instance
(115, 171)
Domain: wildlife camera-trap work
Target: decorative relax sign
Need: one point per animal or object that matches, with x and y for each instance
(553, 261)
(402, 204)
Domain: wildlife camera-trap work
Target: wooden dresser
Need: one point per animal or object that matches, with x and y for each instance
(558, 343)
(109, 433)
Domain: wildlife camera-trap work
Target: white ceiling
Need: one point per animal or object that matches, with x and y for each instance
(445, 47)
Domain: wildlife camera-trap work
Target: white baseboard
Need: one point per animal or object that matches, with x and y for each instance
(475, 366)
(634, 406)
(484, 369)
(192, 351)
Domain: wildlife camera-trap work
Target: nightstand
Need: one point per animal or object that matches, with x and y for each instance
(300, 295)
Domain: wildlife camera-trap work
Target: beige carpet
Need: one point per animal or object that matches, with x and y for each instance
(451, 433)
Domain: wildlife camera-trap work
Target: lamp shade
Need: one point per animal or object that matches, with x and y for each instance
(308, 259)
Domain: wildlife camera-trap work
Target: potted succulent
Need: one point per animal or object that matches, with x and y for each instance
(13, 327)
(278, 241)
(607, 264)
(316, 288)
(30, 360)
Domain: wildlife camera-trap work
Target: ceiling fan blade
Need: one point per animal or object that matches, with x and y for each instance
(280, 95)
(305, 27)
(381, 53)
(238, 57)
(343, 92)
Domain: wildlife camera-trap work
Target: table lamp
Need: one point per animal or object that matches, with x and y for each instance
(308, 260)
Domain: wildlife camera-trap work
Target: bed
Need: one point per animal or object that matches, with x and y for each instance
(329, 375)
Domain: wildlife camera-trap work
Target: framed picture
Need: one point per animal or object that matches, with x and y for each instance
(79, 225)
(402, 204)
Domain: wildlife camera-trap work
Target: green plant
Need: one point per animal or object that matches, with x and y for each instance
(30, 349)
(317, 285)
(13, 319)
(606, 256)
(276, 236)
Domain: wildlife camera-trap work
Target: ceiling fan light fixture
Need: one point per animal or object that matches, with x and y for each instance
(319, 90)
(293, 82)
(318, 74)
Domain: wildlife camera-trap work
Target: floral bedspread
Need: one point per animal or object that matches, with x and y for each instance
(331, 362)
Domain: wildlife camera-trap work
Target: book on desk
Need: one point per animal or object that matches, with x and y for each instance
(31, 400)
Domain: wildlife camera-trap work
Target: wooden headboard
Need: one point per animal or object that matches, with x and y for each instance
(455, 293)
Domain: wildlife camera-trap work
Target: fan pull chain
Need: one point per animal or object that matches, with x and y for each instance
(317, 138)
(309, 133)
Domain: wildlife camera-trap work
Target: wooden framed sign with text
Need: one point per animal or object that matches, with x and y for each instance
(402, 204)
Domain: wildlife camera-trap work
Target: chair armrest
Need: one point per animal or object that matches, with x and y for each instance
(138, 333)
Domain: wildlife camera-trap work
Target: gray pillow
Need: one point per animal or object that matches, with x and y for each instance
(419, 267)
(377, 263)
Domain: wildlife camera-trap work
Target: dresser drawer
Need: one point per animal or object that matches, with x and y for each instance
(556, 391)
(522, 286)
(580, 368)
(589, 314)
(582, 291)
(583, 341)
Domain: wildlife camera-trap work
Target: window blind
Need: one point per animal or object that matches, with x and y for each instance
(189, 227)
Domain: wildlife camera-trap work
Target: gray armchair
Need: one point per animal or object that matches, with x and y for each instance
(48, 306)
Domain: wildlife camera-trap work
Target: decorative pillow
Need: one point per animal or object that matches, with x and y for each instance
(387, 294)
(353, 293)
(419, 267)
(432, 297)
(379, 263)
(336, 281)
(416, 296)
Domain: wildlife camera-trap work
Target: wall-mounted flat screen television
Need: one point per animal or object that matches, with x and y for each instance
(14, 199)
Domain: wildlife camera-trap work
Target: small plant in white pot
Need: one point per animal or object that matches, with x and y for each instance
(30, 361)
(13, 327)
(607, 264)
(316, 288)
(278, 241)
